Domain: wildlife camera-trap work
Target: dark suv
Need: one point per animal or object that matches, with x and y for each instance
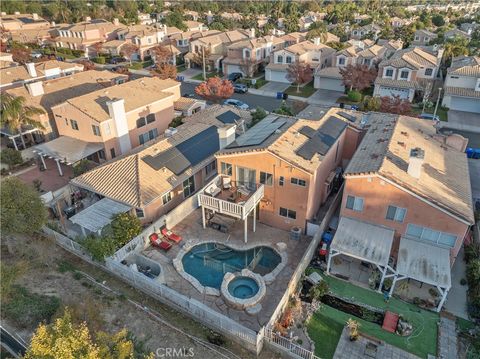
(234, 76)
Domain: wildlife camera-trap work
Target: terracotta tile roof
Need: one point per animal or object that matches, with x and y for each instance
(136, 93)
(462, 92)
(307, 46)
(20, 73)
(184, 103)
(396, 83)
(329, 72)
(385, 150)
(113, 44)
(465, 66)
(105, 25)
(209, 116)
(413, 57)
(350, 51)
(372, 51)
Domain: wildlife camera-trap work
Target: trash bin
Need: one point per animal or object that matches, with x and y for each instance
(295, 233)
(342, 105)
(180, 78)
(279, 95)
(470, 152)
(285, 96)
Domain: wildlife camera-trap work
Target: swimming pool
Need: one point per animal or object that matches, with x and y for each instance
(208, 262)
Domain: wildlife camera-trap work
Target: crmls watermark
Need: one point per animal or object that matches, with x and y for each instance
(174, 353)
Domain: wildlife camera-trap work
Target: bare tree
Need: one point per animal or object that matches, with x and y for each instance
(161, 54)
(358, 77)
(128, 50)
(396, 105)
(165, 71)
(247, 66)
(299, 73)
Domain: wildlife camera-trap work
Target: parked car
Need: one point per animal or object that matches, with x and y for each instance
(116, 60)
(240, 88)
(36, 55)
(234, 76)
(236, 103)
(429, 116)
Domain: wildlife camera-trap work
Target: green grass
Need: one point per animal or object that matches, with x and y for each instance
(423, 340)
(464, 324)
(325, 331)
(441, 112)
(305, 91)
(181, 68)
(260, 82)
(209, 75)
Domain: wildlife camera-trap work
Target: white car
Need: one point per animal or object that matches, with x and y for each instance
(236, 103)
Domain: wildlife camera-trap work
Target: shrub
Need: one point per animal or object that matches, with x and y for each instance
(319, 290)
(258, 115)
(123, 228)
(354, 96)
(80, 167)
(99, 60)
(11, 157)
(473, 272)
(65, 50)
(284, 110)
(10, 273)
(472, 251)
(463, 281)
(177, 121)
(77, 53)
(216, 338)
(99, 247)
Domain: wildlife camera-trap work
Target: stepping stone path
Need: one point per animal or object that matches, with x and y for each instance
(447, 339)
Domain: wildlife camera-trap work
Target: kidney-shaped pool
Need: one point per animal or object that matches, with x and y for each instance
(208, 262)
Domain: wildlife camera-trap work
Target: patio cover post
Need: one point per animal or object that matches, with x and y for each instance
(83, 231)
(245, 228)
(14, 142)
(332, 254)
(59, 167)
(254, 218)
(444, 293)
(384, 272)
(203, 217)
(43, 161)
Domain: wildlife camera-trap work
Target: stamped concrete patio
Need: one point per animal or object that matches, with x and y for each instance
(192, 232)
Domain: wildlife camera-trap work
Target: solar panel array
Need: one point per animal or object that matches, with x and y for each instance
(347, 116)
(187, 153)
(228, 117)
(322, 139)
(258, 133)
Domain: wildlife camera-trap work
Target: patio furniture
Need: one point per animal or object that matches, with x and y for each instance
(170, 235)
(157, 242)
(226, 182)
(243, 191)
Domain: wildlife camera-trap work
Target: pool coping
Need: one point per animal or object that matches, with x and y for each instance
(268, 278)
(245, 303)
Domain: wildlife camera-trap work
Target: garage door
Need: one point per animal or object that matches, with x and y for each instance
(233, 68)
(276, 76)
(388, 91)
(331, 84)
(465, 104)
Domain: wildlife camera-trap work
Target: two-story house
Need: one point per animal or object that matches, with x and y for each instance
(367, 31)
(121, 117)
(462, 85)
(423, 37)
(144, 37)
(182, 40)
(407, 203)
(18, 22)
(312, 52)
(195, 26)
(405, 72)
(156, 179)
(390, 46)
(451, 34)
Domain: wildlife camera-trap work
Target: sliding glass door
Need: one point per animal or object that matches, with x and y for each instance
(246, 177)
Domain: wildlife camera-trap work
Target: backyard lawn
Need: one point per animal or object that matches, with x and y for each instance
(305, 91)
(423, 340)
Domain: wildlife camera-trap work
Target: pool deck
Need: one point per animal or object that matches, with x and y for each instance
(192, 232)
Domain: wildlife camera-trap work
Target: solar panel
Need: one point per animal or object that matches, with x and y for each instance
(228, 117)
(307, 131)
(187, 153)
(258, 133)
(347, 116)
(323, 138)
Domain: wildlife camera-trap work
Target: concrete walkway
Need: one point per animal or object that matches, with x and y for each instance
(457, 296)
(447, 339)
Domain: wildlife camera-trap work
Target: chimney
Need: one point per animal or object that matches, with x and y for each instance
(116, 109)
(32, 71)
(252, 33)
(226, 135)
(415, 162)
(316, 41)
(53, 24)
(35, 88)
(116, 22)
(35, 16)
(88, 18)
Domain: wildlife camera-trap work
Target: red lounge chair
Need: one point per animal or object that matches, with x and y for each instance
(157, 242)
(171, 236)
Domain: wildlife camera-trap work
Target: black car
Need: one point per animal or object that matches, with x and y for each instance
(234, 76)
(240, 88)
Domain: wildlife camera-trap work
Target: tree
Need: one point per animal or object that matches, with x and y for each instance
(97, 47)
(200, 58)
(370, 103)
(299, 73)
(161, 54)
(454, 47)
(291, 23)
(11, 157)
(215, 89)
(128, 50)
(320, 33)
(165, 71)
(395, 105)
(438, 20)
(21, 54)
(258, 115)
(248, 66)
(15, 114)
(123, 228)
(175, 19)
(22, 210)
(358, 77)
(87, 65)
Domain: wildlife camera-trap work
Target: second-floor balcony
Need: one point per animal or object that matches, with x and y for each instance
(236, 199)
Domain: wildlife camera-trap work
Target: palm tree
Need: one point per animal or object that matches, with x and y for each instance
(15, 114)
(454, 47)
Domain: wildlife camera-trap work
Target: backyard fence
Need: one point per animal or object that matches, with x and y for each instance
(287, 345)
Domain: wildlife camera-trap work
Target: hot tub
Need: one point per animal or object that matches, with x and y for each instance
(243, 289)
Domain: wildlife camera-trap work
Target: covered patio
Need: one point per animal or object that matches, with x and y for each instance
(425, 263)
(365, 242)
(95, 217)
(67, 150)
(29, 135)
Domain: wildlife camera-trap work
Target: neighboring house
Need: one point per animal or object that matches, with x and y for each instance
(217, 47)
(234, 16)
(408, 187)
(293, 38)
(156, 179)
(82, 35)
(359, 18)
(462, 85)
(145, 19)
(190, 13)
(195, 26)
(247, 56)
(423, 37)
(468, 27)
(370, 56)
(405, 72)
(310, 18)
(188, 106)
(41, 36)
(113, 47)
(182, 40)
(6, 60)
(390, 46)
(144, 37)
(291, 161)
(19, 22)
(18, 75)
(121, 117)
(370, 31)
(450, 34)
(398, 22)
(314, 53)
(49, 93)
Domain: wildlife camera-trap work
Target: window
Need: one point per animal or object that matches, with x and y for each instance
(148, 136)
(188, 187)
(298, 182)
(74, 124)
(404, 74)
(141, 122)
(210, 168)
(428, 72)
(355, 203)
(101, 154)
(96, 130)
(366, 62)
(389, 73)
(247, 54)
(226, 168)
(426, 39)
(139, 213)
(112, 153)
(150, 118)
(288, 59)
(417, 38)
(288, 213)
(431, 235)
(280, 59)
(396, 213)
(341, 60)
(167, 197)
(281, 181)
(106, 129)
(266, 178)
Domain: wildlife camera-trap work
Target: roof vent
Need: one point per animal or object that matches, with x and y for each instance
(415, 162)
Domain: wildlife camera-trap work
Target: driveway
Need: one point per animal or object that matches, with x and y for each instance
(466, 121)
(324, 97)
(271, 88)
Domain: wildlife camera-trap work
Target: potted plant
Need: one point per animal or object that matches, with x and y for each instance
(353, 326)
